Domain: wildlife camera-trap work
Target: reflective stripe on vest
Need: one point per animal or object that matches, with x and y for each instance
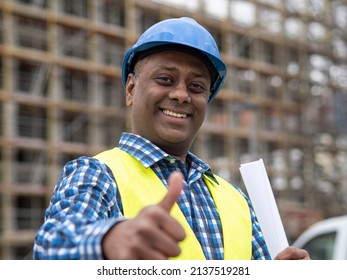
(140, 187)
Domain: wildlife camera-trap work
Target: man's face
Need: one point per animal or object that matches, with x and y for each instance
(168, 94)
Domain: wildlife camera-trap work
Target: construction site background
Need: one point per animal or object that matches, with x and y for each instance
(285, 98)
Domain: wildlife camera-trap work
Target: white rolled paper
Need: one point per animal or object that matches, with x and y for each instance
(258, 186)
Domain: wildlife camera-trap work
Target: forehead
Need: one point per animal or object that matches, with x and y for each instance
(176, 59)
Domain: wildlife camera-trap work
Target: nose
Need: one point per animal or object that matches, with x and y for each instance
(180, 93)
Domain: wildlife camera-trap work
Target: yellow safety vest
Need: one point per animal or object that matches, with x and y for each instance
(140, 187)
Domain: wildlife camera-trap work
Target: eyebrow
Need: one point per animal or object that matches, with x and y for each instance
(175, 69)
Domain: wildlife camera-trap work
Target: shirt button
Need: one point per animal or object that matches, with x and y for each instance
(172, 161)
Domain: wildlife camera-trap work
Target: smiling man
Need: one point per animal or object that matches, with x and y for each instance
(168, 93)
(150, 197)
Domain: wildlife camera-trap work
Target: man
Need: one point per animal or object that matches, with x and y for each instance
(150, 198)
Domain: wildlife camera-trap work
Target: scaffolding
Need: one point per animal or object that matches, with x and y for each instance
(284, 100)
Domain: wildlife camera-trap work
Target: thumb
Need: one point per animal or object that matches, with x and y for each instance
(175, 186)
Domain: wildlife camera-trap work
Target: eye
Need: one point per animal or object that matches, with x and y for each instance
(197, 88)
(164, 80)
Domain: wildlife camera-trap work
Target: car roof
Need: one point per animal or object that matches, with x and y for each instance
(331, 222)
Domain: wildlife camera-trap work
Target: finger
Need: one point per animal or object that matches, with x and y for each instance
(293, 253)
(175, 186)
(153, 253)
(163, 244)
(302, 254)
(140, 238)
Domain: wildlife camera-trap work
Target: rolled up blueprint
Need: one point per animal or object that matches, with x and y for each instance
(260, 193)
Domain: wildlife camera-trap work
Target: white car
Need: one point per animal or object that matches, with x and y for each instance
(326, 239)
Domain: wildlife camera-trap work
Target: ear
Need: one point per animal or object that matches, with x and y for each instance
(129, 89)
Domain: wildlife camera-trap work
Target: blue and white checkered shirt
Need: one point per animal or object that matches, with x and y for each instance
(86, 203)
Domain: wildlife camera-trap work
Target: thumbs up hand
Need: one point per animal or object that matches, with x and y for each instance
(153, 234)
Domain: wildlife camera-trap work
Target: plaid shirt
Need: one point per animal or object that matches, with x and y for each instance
(86, 203)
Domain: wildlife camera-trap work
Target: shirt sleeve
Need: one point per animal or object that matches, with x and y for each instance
(82, 210)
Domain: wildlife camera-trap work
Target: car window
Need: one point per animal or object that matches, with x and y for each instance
(321, 247)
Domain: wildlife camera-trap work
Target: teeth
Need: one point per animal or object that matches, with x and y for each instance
(173, 114)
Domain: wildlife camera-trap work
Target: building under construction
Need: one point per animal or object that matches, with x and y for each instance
(285, 99)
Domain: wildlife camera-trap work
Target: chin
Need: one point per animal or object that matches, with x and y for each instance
(175, 139)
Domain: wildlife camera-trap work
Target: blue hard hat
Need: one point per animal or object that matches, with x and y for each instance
(185, 32)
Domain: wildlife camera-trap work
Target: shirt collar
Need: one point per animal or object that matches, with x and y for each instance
(148, 153)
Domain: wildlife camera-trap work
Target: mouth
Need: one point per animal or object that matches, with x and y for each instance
(174, 114)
